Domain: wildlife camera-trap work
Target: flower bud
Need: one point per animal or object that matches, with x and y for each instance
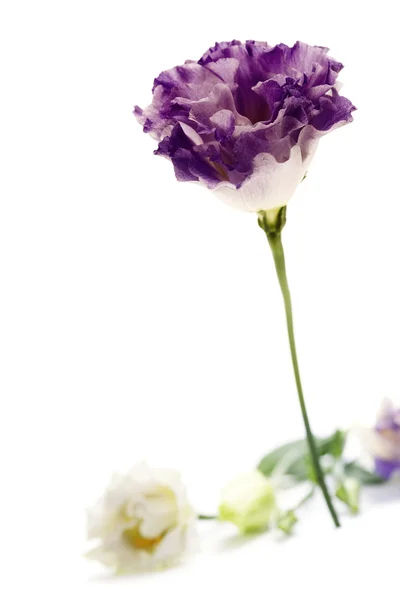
(249, 502)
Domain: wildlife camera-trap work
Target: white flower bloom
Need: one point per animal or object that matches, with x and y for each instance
(249, 502)
(143, 521)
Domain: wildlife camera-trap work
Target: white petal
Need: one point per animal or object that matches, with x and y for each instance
(271, 184)
(160, 515)
(114, 553)
(191, 134)
(380, 446)
(176, 543)
(385, 410)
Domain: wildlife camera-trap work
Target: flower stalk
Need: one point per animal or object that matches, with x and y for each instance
(272, 223)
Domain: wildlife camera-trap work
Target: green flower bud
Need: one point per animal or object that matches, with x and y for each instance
(249, 502)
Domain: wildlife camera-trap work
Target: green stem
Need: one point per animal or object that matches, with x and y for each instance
(207, 517)
(272, 224)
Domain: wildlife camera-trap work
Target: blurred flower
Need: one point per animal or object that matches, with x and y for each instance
(143, 521)
(383, 441)
(245, 119)
(249, 502)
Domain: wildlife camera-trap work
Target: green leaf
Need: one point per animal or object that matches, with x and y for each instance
(365, 477)
(298, 468)
(337, 443)
(297, 455)
(287, 521)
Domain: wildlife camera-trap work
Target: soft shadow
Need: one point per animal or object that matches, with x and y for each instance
(281, 538)
(234, 542)
(115, 577)
(388, 492)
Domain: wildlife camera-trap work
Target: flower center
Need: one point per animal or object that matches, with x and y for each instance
(137, 541)
(390, 435)
(219, 168)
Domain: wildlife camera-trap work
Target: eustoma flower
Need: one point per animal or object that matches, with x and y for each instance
(383, 441)
(245, 121)
(143, 521)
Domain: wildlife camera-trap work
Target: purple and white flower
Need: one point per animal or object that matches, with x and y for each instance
(245, 119)
(383, 441)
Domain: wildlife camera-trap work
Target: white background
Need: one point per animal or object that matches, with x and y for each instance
(141, 318)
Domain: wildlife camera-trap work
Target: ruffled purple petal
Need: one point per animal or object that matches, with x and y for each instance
(189, 164)
(332, 110)
(224, 122)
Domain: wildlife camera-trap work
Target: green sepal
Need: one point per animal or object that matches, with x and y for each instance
(287, 521)
(348, 492)
(272, 221)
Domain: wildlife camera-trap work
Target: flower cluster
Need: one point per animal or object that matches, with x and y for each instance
(144, 520)
(246, 118)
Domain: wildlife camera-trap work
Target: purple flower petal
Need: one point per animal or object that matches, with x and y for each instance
(224, 121)
(383, 441)
(386, 468)
(333, 110)
(189, 165)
